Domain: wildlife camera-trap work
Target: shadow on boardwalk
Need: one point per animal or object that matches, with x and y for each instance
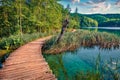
(27, 63)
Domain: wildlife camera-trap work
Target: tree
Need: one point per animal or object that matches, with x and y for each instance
(29, 16)
(5, 15)
(65, 23)
(68, 8)
(88, 22)
(76, 10)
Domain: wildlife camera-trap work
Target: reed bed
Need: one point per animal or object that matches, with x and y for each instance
(72, 40)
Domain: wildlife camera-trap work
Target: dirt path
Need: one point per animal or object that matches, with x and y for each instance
(27, 63)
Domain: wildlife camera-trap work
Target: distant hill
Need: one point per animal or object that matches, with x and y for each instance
(103, 20)
(85, 21)
(105, 15)
(106, 20)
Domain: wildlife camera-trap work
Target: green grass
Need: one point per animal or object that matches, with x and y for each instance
(15, 41)
(9, 44)
(73, 40)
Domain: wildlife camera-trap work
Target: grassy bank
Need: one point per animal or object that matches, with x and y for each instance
(9, 44)
(73, 40)
(13, 42)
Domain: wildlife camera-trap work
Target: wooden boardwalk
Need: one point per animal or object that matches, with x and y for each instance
(27, 63)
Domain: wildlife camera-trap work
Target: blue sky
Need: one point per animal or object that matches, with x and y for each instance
(93, 6)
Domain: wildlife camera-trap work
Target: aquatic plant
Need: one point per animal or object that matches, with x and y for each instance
(87, 76)
(107, 70)
(73, 40)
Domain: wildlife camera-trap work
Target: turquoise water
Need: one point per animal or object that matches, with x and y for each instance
(69, 64)
(66, 65)
(113, 30)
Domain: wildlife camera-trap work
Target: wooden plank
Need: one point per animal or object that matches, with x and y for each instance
(27, 63)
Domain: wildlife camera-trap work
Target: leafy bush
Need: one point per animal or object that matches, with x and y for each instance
(16, 41)
(10, 42)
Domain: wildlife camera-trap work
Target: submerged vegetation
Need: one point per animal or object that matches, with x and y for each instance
(65, 67)
(73, 40)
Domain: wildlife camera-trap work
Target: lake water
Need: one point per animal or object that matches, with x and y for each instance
(68, 64)
(105, 28)
(114, 30)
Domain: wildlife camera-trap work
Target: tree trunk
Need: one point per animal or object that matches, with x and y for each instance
(65, 23)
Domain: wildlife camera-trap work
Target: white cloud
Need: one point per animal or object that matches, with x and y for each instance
(107, 7)
(100, 6)
(90, 2)
(71, 1)
(117, 4)
(76, 1)
(93, 3)
(95, 9)
(96, 6)
(97, 1)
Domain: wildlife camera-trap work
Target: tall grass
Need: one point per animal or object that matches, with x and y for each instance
(14, 41)
(103, 71)
(9, 44)
(73, 40)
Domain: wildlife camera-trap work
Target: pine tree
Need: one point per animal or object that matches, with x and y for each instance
(76, 10)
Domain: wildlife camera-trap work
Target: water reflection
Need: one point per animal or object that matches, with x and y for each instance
(67, 65)
(108, 28)
(114, 30)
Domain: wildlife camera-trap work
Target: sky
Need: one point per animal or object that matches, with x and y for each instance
(93, 6)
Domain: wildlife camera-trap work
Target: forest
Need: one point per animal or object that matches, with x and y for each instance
(98, 20)
(30, 16)
(106, 20)
(23, 21)
(19, 19)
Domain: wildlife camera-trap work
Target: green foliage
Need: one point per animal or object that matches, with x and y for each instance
(29, 16)
(88, 22)
(74, 23)
(99, 18)
(106, 20)
(78, 21)
(107, 70)
(101, 70)
(73, 40)
(87, 76)
(3, 55)
(7, 43)
(111, 23)
(16, 41)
